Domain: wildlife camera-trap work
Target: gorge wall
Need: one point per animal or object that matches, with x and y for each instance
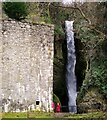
(91, 62)
(27, 66)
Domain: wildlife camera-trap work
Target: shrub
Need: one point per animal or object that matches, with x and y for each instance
(15, 10)
(56, 99)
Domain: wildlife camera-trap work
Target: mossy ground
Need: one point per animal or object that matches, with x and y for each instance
(52, 116)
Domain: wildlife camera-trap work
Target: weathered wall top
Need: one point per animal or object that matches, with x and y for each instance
(27, 60)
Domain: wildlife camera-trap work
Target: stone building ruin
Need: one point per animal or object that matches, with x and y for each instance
(27, 66)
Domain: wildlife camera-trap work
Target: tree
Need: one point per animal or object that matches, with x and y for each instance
(15, 10)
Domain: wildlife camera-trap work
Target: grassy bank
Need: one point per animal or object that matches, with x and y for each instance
(33, 114)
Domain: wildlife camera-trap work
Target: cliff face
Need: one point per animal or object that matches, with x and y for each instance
(93, 36)
(90, 41)
(27, 66)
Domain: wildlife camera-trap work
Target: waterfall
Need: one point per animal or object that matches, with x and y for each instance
(71, 61)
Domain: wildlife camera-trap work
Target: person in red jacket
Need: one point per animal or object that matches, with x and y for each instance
(58, 107)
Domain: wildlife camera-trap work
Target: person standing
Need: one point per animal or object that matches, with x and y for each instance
(53, 106)
(58, 107)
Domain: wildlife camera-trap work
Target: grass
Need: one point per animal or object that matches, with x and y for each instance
(51, 116)
(93, 115)
(33, 114)
(14, 115)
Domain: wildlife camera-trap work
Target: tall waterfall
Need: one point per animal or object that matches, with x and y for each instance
(71, 61)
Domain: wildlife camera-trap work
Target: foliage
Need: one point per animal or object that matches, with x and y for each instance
(15, 10)
(58, 30)
(54, 15)
(99, 74)
(56, 99)
(58, 17)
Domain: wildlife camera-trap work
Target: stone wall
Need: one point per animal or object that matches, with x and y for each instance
(0, 53)
(27, 60)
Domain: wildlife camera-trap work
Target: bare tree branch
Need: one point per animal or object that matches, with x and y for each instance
(74, 7)
(92, 27)
(82, 13)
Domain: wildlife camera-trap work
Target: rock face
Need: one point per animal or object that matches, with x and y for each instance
(27, 66)
(92, 101)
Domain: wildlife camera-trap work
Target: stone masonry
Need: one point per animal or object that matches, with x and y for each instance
(0, 54)
(27, 66)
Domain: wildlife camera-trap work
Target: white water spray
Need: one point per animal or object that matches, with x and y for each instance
(71, 61)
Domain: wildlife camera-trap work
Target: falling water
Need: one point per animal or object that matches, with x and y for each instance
(71, 61)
